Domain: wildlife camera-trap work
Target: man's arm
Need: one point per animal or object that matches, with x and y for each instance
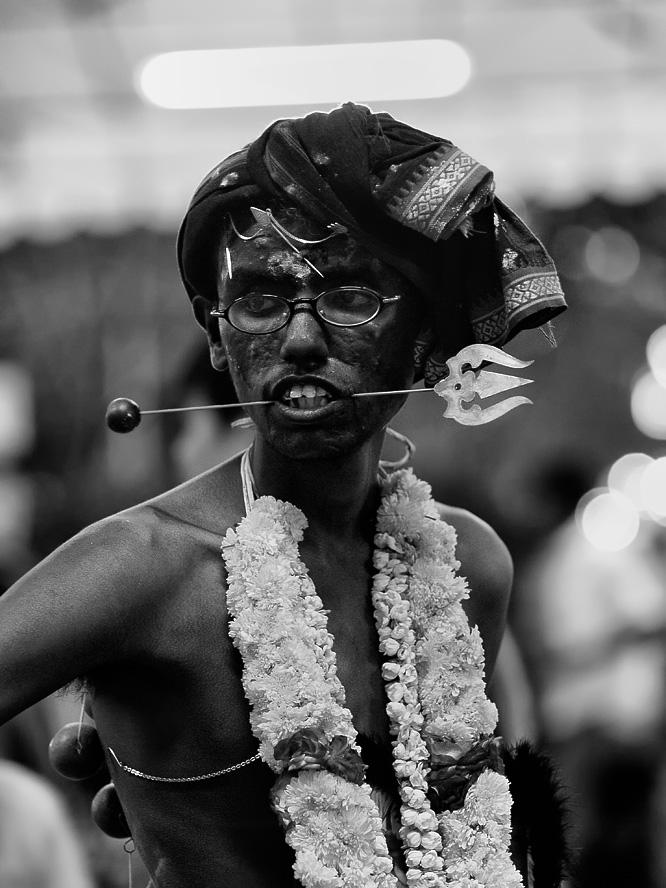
(76, 611)
(486, 563)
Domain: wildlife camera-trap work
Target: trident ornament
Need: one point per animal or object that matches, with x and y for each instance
(459, 386)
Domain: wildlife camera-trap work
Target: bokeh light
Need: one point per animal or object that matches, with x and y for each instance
(17, 428)
(625, 476)
(648, 405)
(568, 251)
(607, 519)
(612, 255)
(653, 488)
(656, 354)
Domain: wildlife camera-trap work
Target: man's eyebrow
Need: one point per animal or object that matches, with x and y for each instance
(277, 272)
(247, 274)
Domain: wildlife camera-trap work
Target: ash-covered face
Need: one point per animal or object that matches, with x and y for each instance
(308, 367)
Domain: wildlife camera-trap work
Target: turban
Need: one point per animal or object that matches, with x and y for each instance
(414, 200)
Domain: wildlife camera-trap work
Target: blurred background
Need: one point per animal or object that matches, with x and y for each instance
(565, 102)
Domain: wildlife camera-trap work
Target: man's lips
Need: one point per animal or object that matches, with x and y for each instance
(306, 397)
(305, 394)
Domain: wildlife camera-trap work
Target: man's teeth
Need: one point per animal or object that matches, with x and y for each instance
(306, 396)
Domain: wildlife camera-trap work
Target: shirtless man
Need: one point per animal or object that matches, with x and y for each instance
(136, 603)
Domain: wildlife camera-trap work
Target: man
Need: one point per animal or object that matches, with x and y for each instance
(307, 265)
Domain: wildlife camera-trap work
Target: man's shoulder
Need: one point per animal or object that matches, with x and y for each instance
(470, 528)
(188, 518)
(484, 558)
(207, 504)
(486, 564)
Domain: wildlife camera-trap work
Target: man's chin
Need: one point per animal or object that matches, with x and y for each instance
(315, 444)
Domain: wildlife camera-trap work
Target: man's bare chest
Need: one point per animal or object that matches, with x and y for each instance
(346, 594)
(195, 669)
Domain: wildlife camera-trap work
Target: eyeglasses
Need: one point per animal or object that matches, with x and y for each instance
(260, 313)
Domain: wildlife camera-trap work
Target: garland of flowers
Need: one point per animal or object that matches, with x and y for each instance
(455, 810)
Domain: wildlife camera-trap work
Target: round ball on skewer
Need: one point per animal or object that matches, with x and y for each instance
(76, 752)
(108, 814)
(123, 415)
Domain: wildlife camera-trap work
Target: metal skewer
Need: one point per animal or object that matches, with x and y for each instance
(206, 407)
(123, 415)
(394, 392)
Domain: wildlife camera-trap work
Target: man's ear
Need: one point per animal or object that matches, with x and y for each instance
(202, 308)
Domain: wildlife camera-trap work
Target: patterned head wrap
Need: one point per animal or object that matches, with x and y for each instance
(414, 200)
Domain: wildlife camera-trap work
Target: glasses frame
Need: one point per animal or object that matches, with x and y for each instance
(310, 301)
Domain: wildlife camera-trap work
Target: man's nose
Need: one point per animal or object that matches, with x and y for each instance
(304, 338)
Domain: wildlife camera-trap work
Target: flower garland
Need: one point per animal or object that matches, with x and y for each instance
(439, 715)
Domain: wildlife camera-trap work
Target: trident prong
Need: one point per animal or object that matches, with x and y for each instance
(461, 387)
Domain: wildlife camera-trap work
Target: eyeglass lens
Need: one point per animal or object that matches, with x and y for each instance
(343, 307)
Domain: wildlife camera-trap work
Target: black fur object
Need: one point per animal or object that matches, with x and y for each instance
(538, 817)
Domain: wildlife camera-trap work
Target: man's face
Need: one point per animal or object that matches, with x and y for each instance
(309, 367)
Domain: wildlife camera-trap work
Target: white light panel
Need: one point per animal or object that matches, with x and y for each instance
(294, 75)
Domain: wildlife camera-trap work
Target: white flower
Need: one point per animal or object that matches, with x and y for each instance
(409, 816)
(390, 671)
(413, 839)
(390, 647)
(426, 820)
(413, 858)
(479, 834)
(395, 691)
(431, 841)
(310, 871)
(431, 861)
(434, 683)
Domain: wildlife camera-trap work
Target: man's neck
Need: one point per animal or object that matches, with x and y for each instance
(336, 495)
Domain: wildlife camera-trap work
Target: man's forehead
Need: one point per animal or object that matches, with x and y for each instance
(267, 252)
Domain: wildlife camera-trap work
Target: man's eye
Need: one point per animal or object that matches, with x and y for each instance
(351, 298)
(258, 304)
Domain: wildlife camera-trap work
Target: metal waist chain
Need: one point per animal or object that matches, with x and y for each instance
(136, 773)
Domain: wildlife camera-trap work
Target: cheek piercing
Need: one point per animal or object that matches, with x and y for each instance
(461, 386)
(124, 415)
